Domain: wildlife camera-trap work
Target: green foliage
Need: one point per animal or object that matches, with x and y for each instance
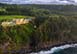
(54, 24)
(58, 28)
(8, 17)
(18, 34)
(35, 10)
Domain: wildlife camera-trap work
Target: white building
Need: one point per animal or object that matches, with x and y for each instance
(16, 22)
(7, 23)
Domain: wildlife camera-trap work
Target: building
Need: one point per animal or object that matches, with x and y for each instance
(7, 23)
(21, 21)
(16, 22)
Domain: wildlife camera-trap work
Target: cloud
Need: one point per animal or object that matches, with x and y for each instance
(14, 1)
(35, 1)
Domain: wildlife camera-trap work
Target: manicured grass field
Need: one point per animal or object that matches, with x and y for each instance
(2, 17)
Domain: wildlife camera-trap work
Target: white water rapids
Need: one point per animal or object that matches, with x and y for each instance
(56, 49)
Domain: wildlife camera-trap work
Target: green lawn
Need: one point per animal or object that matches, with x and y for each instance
(2, 17)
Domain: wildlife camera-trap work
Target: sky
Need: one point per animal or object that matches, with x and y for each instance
(37, 1)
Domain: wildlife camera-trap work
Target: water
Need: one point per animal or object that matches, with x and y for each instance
(71, 50)
(65, 49)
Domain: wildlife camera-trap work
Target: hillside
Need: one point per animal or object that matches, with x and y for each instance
(52, 25)
(27, 9)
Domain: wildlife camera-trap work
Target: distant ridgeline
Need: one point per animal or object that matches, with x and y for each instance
(32, 10)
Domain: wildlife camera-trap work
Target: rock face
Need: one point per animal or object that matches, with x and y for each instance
(15, 22)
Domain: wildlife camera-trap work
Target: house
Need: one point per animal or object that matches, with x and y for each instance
(21, 21)
(7, 23)
(16, 22)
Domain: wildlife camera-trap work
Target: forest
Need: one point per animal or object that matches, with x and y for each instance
(53, 24)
